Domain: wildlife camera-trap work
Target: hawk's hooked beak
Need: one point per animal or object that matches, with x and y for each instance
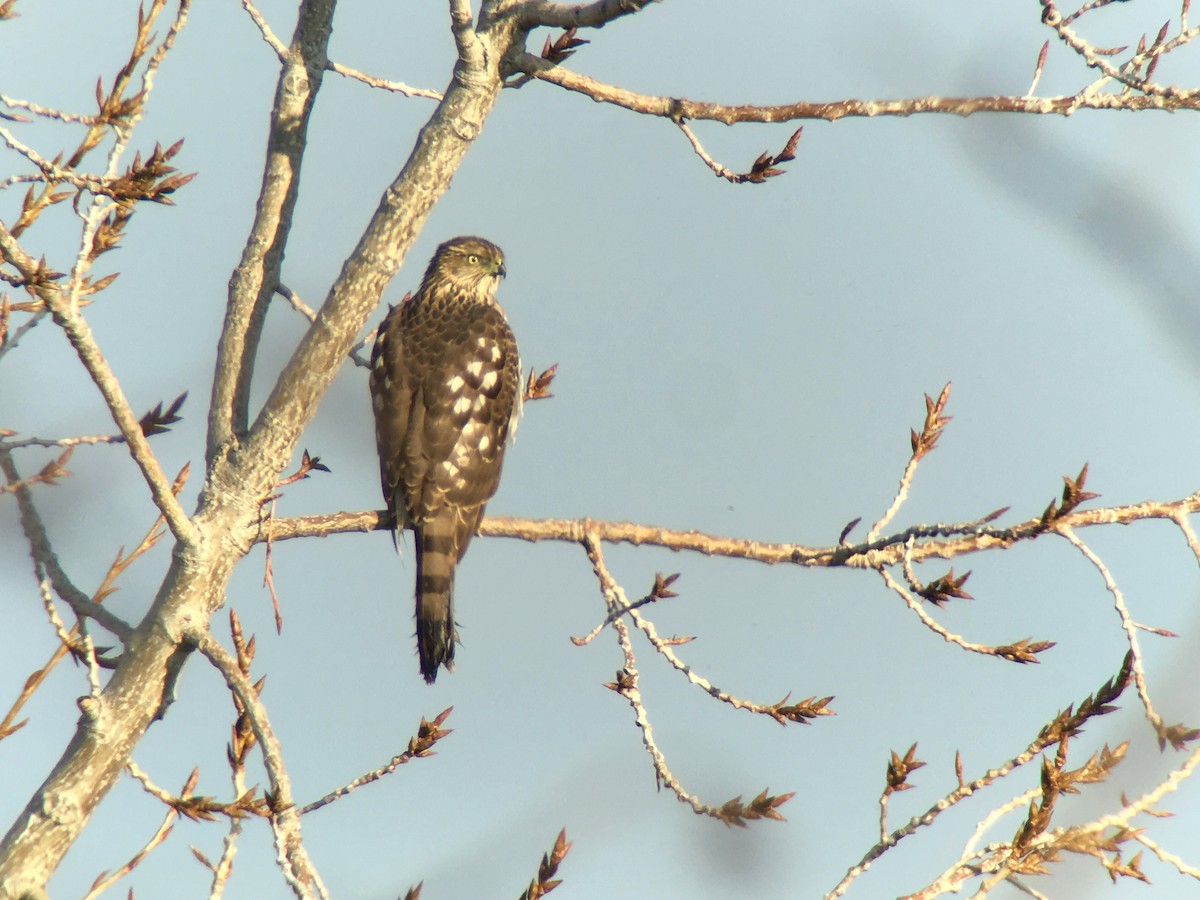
(501, 271)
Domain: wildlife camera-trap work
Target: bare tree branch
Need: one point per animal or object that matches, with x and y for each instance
(257, 273)
(426, 175)
(237, 481)
(246, 453)
(80, 336)
(42, 551)
(940, 541)
(675, 109)
(297, 868)
(579, 15)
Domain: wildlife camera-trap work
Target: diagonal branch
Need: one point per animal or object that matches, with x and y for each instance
(80, 335)
(297, 868)
(1067, 722)
(43, 553)
(402, 211)
(264, 29)
(254, 279)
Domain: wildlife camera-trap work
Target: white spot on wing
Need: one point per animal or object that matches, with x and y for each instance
(489, 380)
(475, 368)
(456, 383)
(461, 405)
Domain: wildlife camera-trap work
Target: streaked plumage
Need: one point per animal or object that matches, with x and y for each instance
(445, 387)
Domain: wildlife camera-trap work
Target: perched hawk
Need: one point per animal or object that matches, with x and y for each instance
(445, 386)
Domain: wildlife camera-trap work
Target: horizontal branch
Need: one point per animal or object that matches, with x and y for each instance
(677, 108)
(936, 541)
(577, 15)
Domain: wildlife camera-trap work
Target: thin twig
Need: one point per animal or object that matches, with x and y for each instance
(48, 112)
(105, 881)
(51, 172)
(1148, 800)
(1037, 69)
(1021, 801)
(43, 554)
(309, 313)
(14, 337)
(927, 620)
(1188, 533)
(1127, 624)
(627, 683)
(734, 812)
(1166, 856)
(419, 747)
(1055, 20)
(1071, 719)
(781, 712)
(719, 170)
(264, 29)
(396, 87)
(85, 439)
(293, 860)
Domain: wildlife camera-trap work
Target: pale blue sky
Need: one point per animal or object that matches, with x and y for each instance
(740, 360)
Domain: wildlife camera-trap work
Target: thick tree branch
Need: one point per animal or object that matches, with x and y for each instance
(470, 51)
(108, 730)
(254, 279)
(579, 15)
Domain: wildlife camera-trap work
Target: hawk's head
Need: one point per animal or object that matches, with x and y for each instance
(468, 263)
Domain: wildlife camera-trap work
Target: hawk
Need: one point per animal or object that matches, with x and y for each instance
(445, 387)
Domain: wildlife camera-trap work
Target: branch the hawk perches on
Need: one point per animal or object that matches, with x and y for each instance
(445, 387)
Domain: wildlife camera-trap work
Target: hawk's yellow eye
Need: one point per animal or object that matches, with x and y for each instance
(473, 259)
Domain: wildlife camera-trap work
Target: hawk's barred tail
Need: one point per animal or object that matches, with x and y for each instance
(436, 555)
